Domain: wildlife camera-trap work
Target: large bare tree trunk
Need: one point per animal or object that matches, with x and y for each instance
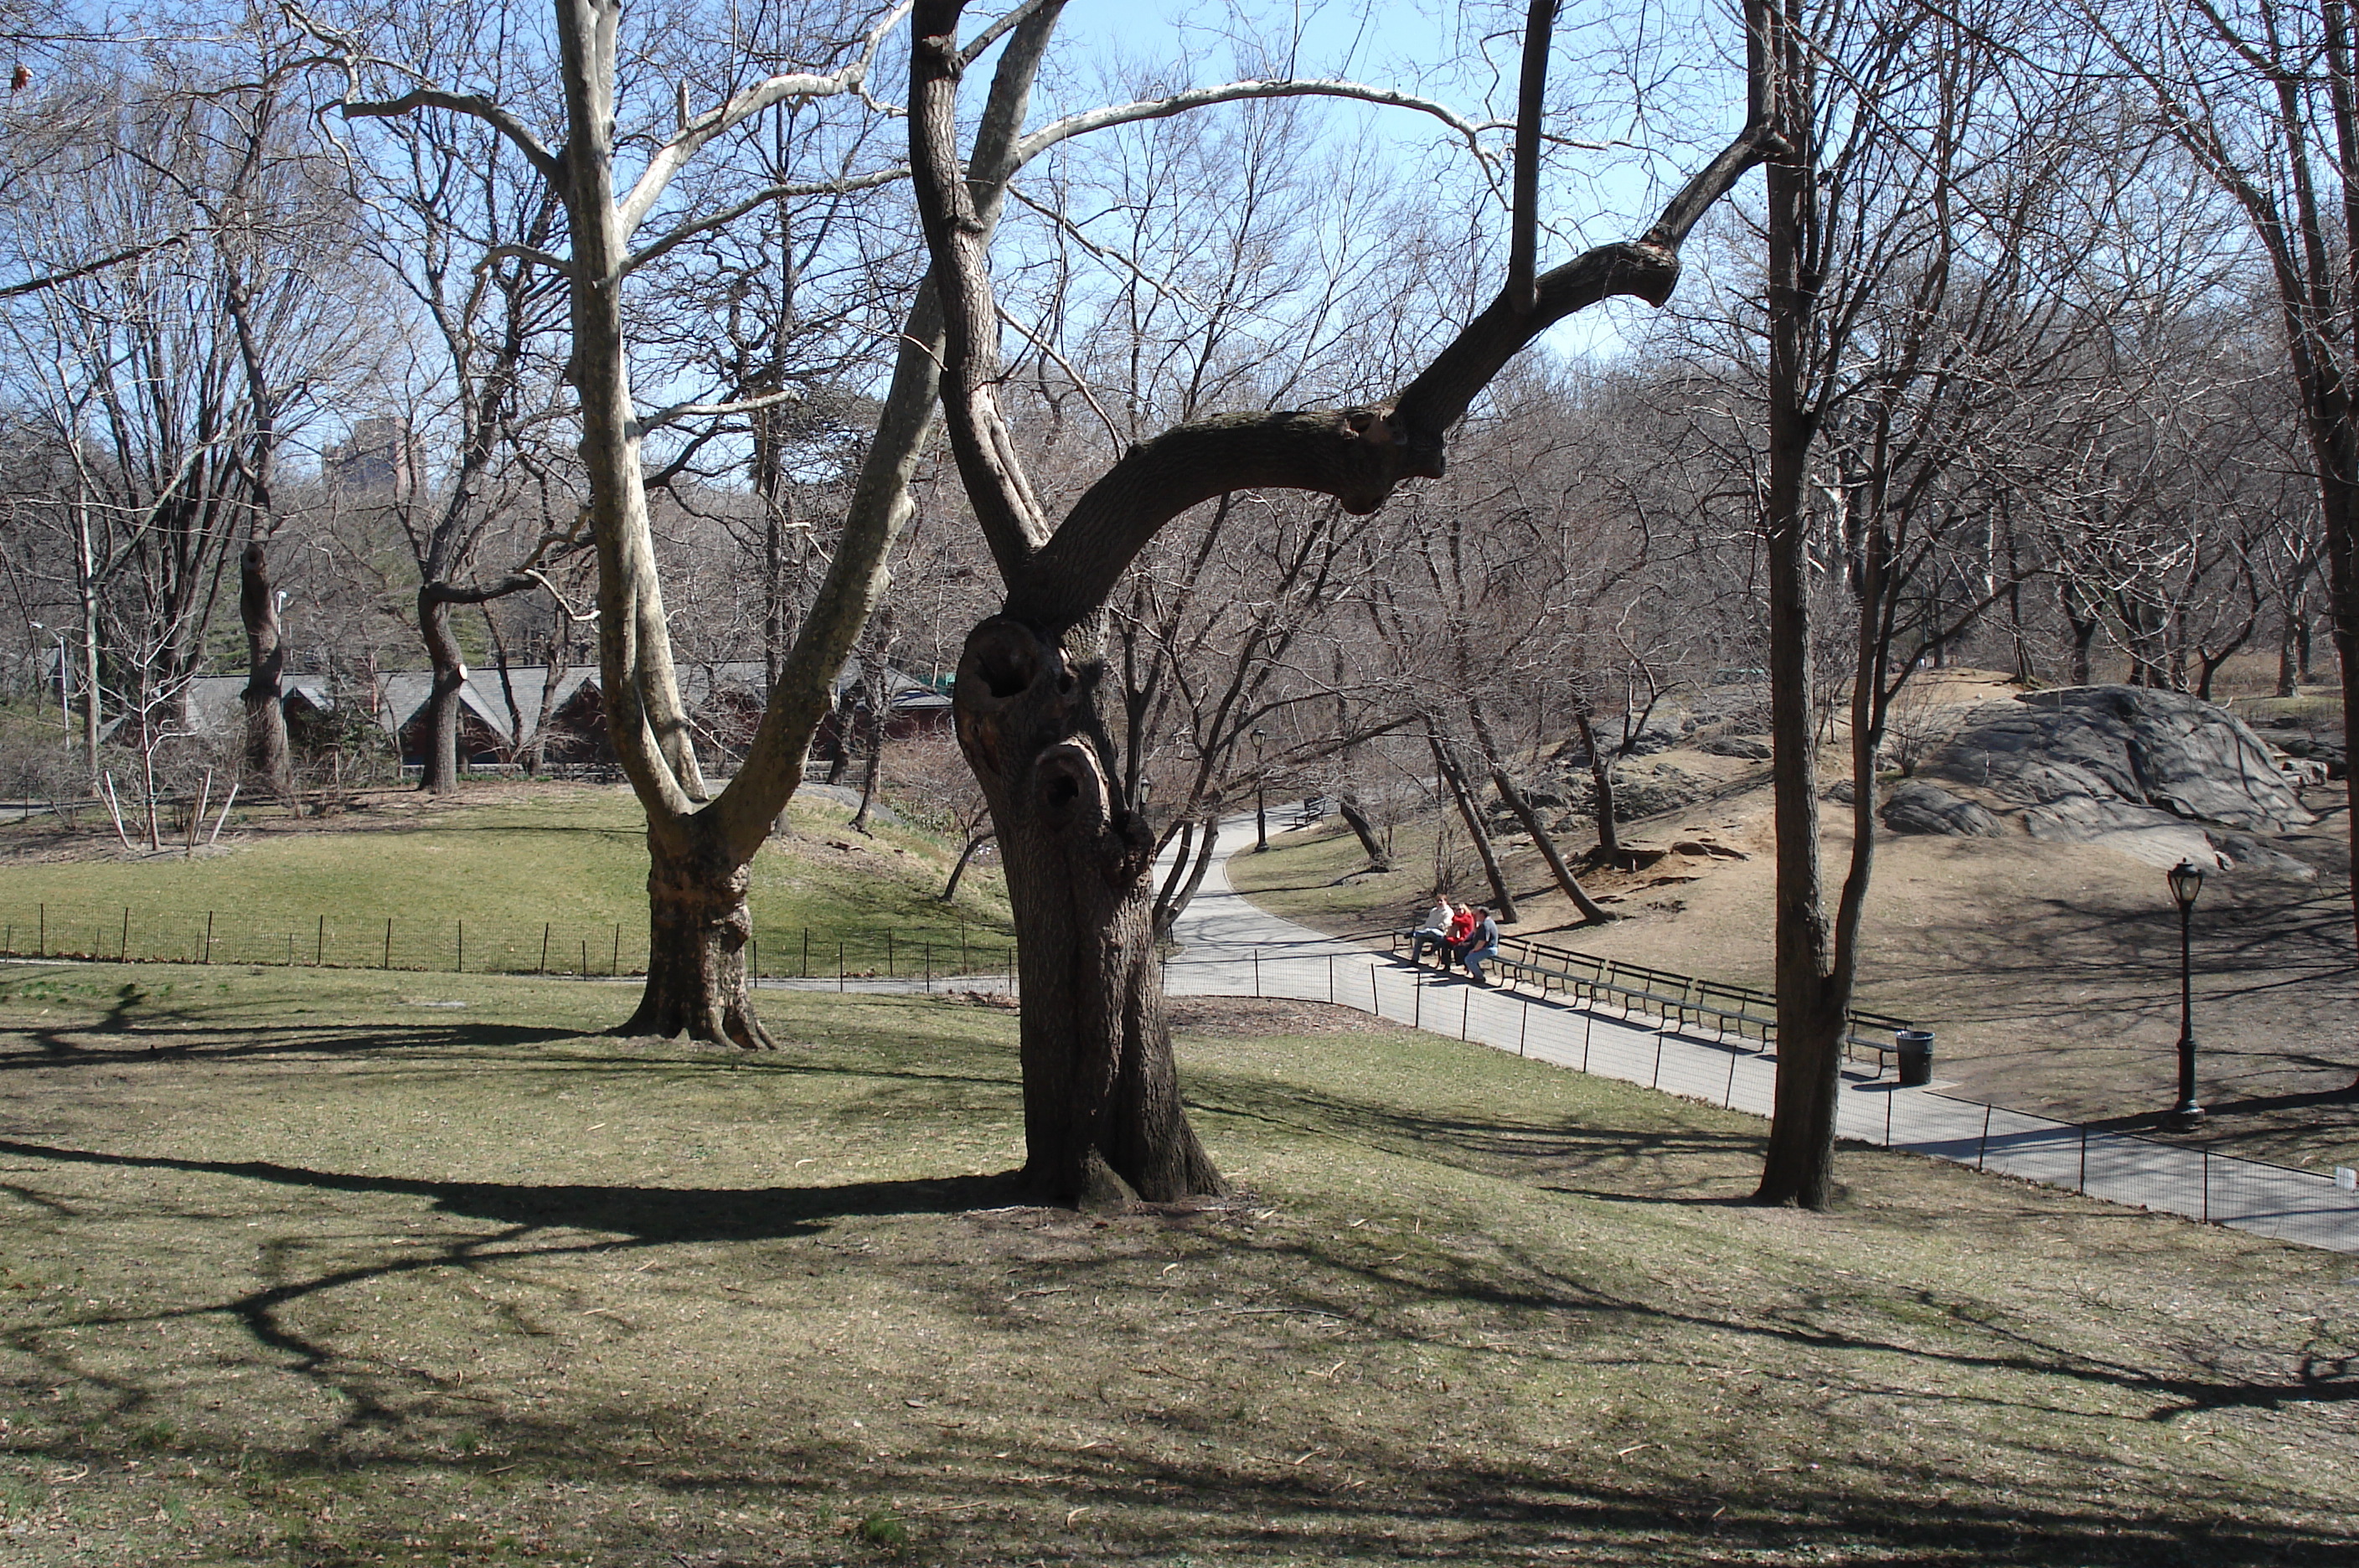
(1102, 1113)
(265, 663)
(1799, 1167)
(698, 927)
(1105, 1110)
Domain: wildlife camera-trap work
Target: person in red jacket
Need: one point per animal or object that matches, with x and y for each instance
(1462, 925)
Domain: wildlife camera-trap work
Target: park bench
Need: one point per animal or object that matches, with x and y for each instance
(1738, 1012)
(1877, 1032)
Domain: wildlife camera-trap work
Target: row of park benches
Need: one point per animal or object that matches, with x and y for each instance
(1678, 1001)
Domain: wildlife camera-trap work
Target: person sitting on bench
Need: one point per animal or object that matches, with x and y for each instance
(1461, 927)
(1433, 934)
(1484, 942)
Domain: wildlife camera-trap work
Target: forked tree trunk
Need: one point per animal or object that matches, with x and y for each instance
(1542, 840)
(1503, 903)
(265, 661)
(1601, 777)
(697, 928)
(1102, 1118)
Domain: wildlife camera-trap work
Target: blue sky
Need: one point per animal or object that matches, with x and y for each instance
(1668, 55)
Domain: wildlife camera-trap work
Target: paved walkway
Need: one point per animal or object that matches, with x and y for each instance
(1232, 947)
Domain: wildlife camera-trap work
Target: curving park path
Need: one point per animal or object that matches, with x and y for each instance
(1232, 947)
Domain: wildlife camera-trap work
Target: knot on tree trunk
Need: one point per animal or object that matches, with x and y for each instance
(698, 929)
(1102, 1113)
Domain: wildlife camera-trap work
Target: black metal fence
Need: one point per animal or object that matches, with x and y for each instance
(126, 934)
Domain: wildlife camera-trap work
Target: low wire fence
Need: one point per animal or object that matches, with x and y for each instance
(2172, 1175)
(576, 948)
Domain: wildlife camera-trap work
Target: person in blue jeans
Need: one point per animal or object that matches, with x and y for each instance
(1484, 944)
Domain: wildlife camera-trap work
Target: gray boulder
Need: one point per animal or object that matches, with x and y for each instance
(1913, 806)
(2156, 775)
(1746, 747)
(2130, 744)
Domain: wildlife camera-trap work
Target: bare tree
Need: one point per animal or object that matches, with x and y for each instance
(1102, 1113)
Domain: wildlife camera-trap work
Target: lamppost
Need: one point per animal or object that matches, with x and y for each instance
(2186, 880)
(1261, 798)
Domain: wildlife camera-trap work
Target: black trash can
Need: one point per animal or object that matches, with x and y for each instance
(1916, 1053)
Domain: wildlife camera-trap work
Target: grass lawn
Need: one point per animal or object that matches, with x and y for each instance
(333, 1268)
(507, 861)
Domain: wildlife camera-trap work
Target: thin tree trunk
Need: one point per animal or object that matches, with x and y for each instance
(1362, 830)
(1541, 839)
(874, 763)
(1799, 1165)
(1601, 778)
(974, 843)
(1170, 906)
(1503, 903)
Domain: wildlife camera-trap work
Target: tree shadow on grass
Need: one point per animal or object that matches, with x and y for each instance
(653, 1215)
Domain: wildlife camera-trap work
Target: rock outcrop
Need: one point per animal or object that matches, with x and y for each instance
(1913, 806)
(2156, 774)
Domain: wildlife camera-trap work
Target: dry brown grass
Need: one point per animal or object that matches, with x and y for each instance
(322, 1270)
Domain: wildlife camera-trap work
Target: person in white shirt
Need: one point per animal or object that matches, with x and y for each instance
(1434, 933)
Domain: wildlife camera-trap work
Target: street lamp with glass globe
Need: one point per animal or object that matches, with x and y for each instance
(2186, 880)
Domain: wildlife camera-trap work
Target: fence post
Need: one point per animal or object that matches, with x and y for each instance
(2085, 1156)
(2207, 1184)
(616, 966)
(754, 958)
(1331, 979)
(1889, 1098)
(209, 936)
(1465, 1008)
(462, 947)
(44, 948)
(123, 953)
(1658, 1061)
(1981, 1153)
(1417, 996)
(1375, 1002)
(963, 960)
(1587, 1019)
(320, 953)
(1524, 1033)
(1256, 974)
(806, 974)
(1728, 1096)
(930, 967)
(889, 952)
(585, 958)
(544, 947)
(839, 967)
(388, 944)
